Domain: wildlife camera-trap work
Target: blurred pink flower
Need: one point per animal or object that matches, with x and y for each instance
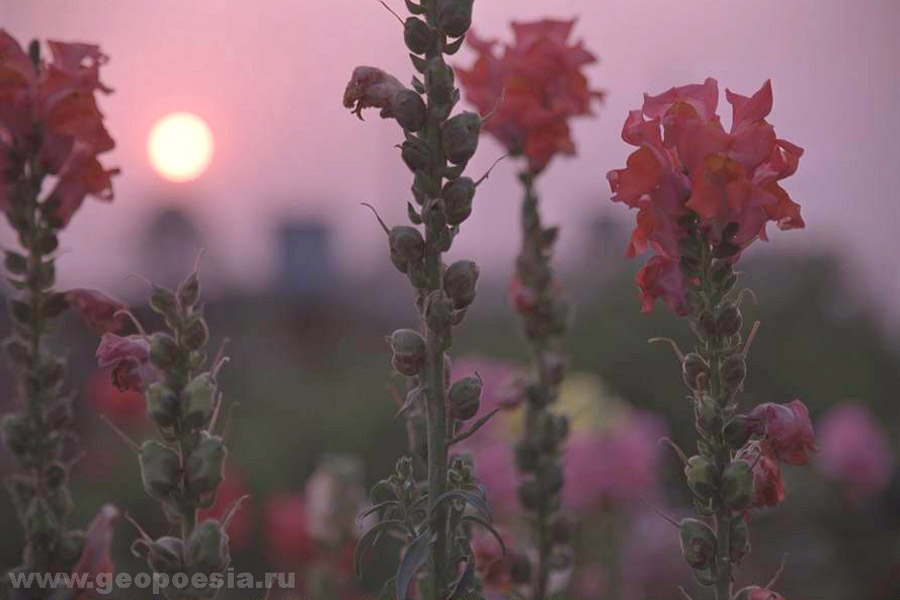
(535, 86)
(687, 163)
(651, 557)
(96, 557)
(616, 466)
(495, 467)
(788, 431)
(287, 538)
(129, 358)
(855, 450)
(97, 309)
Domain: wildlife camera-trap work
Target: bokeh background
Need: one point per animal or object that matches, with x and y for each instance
(298, 278)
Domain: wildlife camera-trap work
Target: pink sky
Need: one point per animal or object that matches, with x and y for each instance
(268, 76)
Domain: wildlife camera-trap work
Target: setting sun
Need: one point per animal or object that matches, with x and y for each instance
(180, 147)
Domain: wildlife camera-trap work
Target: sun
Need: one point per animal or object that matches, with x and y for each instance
(180, 146)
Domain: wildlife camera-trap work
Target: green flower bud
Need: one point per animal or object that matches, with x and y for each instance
(729, 322)
(439, 81)
(164, 351)
(404, 468)
(737, 432)
(60, 502)
(206, 551)
(408, 348)
(455, 16)
(160, 469)
(189, 291)
(705, 326)
(465, 397)
(407, 247)
(701, 477)
(438, 312)
(460, 281)
(739, 540)
(734, 371)
(195, 334)
(206, 464)
(527, 457)
(460, 137)
(458, 195)
(198, 399)
(418, 35)
(415, 154)
(530, 494)
(737, 485)
(165, 555)
(16, 434)
(550, 478)
(55, 475)
(698, 543)
(409, 109)
(41, 522)
(693, 367)
(164, 302)
(381, 492)
(162, 405)
(709, 416)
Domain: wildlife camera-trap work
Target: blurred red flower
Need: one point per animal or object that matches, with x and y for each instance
(534, 86)
(288, 541)
(49, 111)
(97, 309)
(95, 557)
(688, 164)
(122, 406)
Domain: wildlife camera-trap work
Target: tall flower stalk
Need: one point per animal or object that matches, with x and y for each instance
(437, 148)
(51, 133)
(537, 85)
(185, 467)
(704, 195)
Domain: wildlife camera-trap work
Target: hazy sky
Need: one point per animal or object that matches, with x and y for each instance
(268, 76)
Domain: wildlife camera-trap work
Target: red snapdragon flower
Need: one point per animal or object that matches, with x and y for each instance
(100, 311)
(788, 431)
(49, 111)
(130, 359)
(535, 85)
(688, 163)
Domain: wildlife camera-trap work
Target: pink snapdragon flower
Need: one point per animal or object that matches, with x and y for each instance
(855, 451)
(787, 430)
(768, 486)
(687, 163)
(95, 557)
(129, 358)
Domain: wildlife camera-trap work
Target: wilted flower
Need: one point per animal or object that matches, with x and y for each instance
(98, 310)
(688, 164)
(371, 87)
(130, 359)
(787, 429)
(535, 86)
(855, 451)
(58, 98)
(95, 557)
(768, 487)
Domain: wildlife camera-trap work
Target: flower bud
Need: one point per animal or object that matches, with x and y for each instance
(705, 326)
(561, 530)
(692, 368)
(455, 16)
(164, 302)
(189, 291)
(701, 477)
(160, 469)
(206, 464)
(41, 522)
(737, 485)
(404, 468)
(709, 417)
(55, 475)
(438, 312)
(409, 109)
(206, 551)
(415, 154)
(734, 371)
(527, 457)
(529, 494)
(737, 432)
(198, 400)
(16, 434)
(460, 281)
(439, 81)
(407, 247)
(164, 351)
(698, 543)
(458, 195)
(165, 555)
(418, 35)
(722, 270)
(382, 492)
(162, 405)
(729, 322)
(739, 540)
(550, 478)
(408, 348)
(195, 334)
(465, 397)
(460, 137)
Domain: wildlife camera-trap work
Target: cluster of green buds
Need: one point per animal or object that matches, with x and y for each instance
(184, 468)
(543, 313)
(437, 147)
(721, 481)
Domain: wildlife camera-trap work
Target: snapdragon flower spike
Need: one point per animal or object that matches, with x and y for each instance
(51, 133)
(185, 468)
(437, 145)
(533, 88)
(704, 194)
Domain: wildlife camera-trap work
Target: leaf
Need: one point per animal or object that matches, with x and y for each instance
(475, 427)
(413, 215)
(419, 63)
(368, 540)
(418, 85)
(454, 46)
(413, 559)
(489, 527)
(469, 498)
(376, 508)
